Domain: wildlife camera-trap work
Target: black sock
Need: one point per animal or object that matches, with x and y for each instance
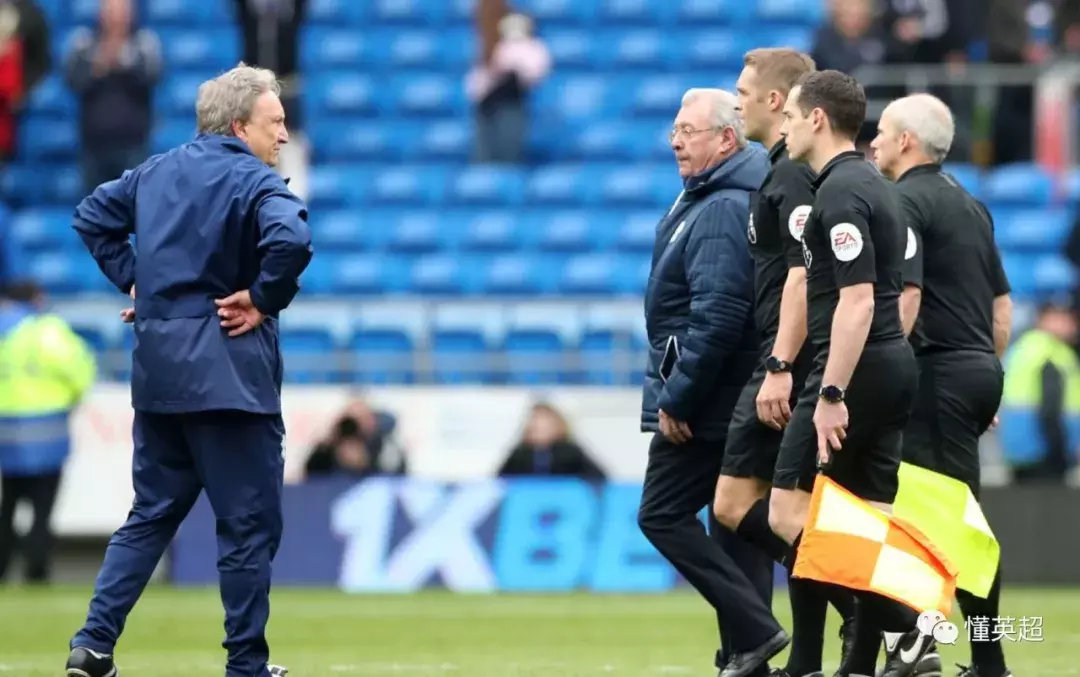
(841, 599)
(754, 528)
(864, 653)
(986, 653)
(809, 604)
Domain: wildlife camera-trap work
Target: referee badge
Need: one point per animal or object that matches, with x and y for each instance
(807, 257)
(846, 242)
(751, 232)
(797, 221)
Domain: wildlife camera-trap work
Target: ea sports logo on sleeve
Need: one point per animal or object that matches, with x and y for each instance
(796, 223)
(846, 242)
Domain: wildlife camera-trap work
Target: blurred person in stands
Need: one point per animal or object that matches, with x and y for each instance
(271, 38)
(113, 70)
(25, 58)
(221, 244)
(362, 442)
(703, 350)
(45, 369)
(1067, 28)
(500, 88)
(1009, 43)
(1039, 425)
(547, 448)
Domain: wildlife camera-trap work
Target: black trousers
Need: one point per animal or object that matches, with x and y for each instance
(680, 480)
(40, 492)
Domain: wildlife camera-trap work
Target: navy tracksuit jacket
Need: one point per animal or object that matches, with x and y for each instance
(209, 219)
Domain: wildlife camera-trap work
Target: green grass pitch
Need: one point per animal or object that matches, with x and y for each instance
(317, 633)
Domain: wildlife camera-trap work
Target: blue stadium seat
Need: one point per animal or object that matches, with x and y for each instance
(488, 185)
(450, 139)
(451, 49)
(462, 336)
(424, 95)
(309, 354)
(637, 232)
(641, 48)
(590, 275)
(347, 140)
(349, 230)
(1020, 269)
(202, 48)
(644, 185)
(176, 94)
(1072, 185)
(65, 272)
(662, 94)
(635, 12)
(791, 11)
(52, 98)
(187, 13)
(337, 186)
(561, 185)
(570, 48)
(387, 334)
(572, 232)
(491, 231)
(538, 342)
(49, 140)
(408, 12)
(580, 97)
(559, 11)
(418, 232)
(41, 185)
(321, 276)
(338, 12)
(801, 39)
(409, 185)
(442, 274)
(517, 275)
(94, 335)
(370, 274)
(712, 48)
(37, 230)
(970, 177)
(715, 12)
(1018, 184)
(1054, 274)
(607, 141)
(608, 350)
(170, 133)
(343, 93)
(1032, 230)
(325, 48)
(79, 12)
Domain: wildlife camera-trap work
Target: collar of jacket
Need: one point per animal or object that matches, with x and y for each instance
(232, 143)
(738, 170)
(929, 168)
(846, 156)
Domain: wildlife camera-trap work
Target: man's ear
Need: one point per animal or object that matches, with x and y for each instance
(776, 101)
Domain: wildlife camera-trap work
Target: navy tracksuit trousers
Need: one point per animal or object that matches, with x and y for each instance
(237, 457)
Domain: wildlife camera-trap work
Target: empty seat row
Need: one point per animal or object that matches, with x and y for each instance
(454, 50)
(580, 12)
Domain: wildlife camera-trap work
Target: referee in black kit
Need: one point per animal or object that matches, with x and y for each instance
(764, 408)
(957, 311)
(853, 249)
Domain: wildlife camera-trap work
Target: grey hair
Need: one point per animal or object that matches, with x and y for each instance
(928, 119)
(724, 110)
(230, 97)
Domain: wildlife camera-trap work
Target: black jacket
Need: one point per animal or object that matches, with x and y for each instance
(700, 297)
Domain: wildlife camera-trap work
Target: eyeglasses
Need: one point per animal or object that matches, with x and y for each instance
(689, 131)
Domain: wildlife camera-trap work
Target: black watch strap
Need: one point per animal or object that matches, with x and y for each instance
(775, 365)
(832, 394)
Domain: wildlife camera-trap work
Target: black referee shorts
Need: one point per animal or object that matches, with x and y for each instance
(752, 447)
(879, 401)
(958, 397)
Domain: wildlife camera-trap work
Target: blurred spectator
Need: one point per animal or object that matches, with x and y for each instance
(547, 448)
(499, 89)
(271, 38)
(362, 442)
(850, 38)
(113, 69)
(1009, 42)
(1040, 408)
(25, 58)
(1067, 27)
(45, 369)
(928, 31)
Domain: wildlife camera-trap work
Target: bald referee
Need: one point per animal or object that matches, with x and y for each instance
(956, 309)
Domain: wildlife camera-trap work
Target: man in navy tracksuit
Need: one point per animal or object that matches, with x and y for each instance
(220, 243)
(699, 316)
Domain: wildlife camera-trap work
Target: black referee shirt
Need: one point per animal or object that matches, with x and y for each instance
(775, 234)
(951, 255)
(855, 235)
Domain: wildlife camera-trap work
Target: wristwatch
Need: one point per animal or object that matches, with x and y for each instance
(832, 394)
(774, 365)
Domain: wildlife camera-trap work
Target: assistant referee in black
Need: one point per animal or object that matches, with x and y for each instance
(857, 401)
(957, 310)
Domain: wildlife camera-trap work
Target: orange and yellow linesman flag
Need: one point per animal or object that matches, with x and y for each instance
(850, 543)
